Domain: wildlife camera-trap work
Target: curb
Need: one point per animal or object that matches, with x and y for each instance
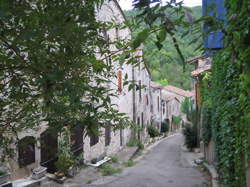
(213, 174)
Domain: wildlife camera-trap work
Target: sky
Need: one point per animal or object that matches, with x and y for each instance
(127, 4)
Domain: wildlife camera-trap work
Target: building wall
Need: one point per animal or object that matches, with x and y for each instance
(124, 102)
(143, 103)
(156, 107)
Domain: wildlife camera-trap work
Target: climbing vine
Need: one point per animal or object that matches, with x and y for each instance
(228, 119)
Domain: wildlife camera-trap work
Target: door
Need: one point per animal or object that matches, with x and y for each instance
(49, 148)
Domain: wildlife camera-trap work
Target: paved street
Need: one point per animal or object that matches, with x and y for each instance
(166, 165)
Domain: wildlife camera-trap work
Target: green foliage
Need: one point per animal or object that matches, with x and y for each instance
(163, 82)
(133, 143)
(65, 156)
(140, 146)
(176, 120)
(226, 100)
(153, 131)
(164, 127)
(2, 172)
(107, 170)
(114, 159)
(166, 64)
(186, 107)
(49, 63)
(129, 163)
(190, 135)
(207, 125)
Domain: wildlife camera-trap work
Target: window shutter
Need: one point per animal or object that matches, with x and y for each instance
(119, 81)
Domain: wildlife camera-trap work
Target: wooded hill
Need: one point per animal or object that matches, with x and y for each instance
(165, 64)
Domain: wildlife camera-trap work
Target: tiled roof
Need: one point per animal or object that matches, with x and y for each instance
(201, 70)
(178, 91)
(156, 85)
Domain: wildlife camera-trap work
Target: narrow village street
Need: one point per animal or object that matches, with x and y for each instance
(167, 165)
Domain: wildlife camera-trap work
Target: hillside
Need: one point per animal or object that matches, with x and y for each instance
(165, 65)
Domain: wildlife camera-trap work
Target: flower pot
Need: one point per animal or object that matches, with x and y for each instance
(4, 178)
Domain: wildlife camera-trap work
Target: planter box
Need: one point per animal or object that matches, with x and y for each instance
(39, 173)
(4, 178)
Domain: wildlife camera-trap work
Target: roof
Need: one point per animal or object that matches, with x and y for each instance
(178, 91)
(195, 59)
(201, 70)
(156, 85)
(168, 96)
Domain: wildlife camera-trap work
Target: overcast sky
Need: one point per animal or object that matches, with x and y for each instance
(127, 4)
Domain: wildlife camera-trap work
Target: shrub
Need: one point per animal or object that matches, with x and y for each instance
(176, 119)
(2, 172)
(114, 159)
(132, 143)
(129, 163)
(164, 127)
(153, 131)
(140, 146)
(107, 170)
(190, 136)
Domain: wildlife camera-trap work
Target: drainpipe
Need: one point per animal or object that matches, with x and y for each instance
(134, 105)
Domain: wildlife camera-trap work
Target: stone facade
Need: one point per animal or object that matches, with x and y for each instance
(156, 104)
(142, 97)
(109, 11)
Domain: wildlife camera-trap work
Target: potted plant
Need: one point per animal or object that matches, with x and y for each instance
(4, 176)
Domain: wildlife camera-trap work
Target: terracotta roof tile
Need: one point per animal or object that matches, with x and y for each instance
(156, 85)
(178, 91)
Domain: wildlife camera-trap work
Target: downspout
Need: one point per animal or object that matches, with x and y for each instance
(134, 105)
(160, 107)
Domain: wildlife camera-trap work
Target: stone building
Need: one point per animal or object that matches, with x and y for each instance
(110, 141)
(172, 98)
(142, 114)
(156, 104)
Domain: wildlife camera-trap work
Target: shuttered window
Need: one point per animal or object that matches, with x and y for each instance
(119, 76)
(26, 151)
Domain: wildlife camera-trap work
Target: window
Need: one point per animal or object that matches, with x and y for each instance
(163, 107)
(26, 151)
(167, 108)
(119, 76)
(77, 140)
(94, 139)
(140, 91)
(117, 33)
(142, 120)
(107, 135)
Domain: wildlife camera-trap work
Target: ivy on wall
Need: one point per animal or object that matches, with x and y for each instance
(226, 101)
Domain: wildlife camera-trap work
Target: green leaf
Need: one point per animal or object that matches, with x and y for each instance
(140, 38)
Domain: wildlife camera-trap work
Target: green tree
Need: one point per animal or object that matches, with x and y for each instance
(49, 68)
